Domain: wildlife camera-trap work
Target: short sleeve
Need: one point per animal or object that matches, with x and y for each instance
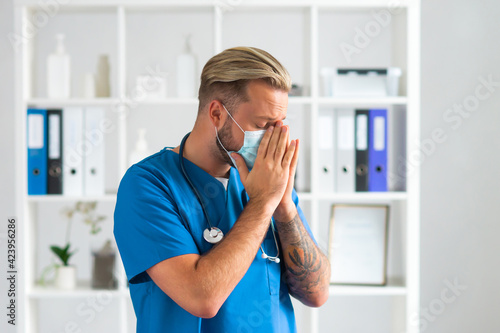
(147, 226)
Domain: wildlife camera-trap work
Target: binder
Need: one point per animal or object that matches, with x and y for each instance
(377, 155)
(37, 151)
(54, 152)
(94, 140)
(344, 152)
(396, 140)
(73, 151)
(297, 122)
(326, 171)
(361, 139)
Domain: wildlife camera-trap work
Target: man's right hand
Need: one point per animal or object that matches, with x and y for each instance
(267, 181)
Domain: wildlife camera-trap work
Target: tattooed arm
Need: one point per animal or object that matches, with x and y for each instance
(307, 268)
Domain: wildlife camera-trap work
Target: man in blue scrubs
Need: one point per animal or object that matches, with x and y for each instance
(240, 163)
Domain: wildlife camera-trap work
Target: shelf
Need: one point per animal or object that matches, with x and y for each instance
(358, 196)
(299, 100)
(293, 100)
(394, 287)
(362, 196)
(82, 289)
(305, 195)
(167, 101)
(353, 101)
(66, 198)
(48, 102)
(348, 4)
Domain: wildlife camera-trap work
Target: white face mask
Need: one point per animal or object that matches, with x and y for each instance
(250, 144)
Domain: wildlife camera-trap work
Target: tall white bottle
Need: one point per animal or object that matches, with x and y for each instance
(102, 86)
(186, 72)
(58, 71)
(141, 150)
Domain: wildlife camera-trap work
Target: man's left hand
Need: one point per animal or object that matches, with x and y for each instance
(286, 209)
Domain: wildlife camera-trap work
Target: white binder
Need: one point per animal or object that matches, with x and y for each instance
(396, 144)
(73, 154)
(345, 153)
(326, 144)
(94, 138)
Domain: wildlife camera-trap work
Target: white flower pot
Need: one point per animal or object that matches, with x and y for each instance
(65, 277)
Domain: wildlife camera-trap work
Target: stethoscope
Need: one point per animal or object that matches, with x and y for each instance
(213, 234)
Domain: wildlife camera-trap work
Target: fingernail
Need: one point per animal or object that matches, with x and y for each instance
(283, 129)
(292, 143)
(234, 156)
(270, 128)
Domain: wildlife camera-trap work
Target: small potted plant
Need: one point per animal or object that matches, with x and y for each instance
(65, 273)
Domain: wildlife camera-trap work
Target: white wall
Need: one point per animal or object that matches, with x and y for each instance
(460, 181)
(460, 184)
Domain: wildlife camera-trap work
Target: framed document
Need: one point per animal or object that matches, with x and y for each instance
(358, 244)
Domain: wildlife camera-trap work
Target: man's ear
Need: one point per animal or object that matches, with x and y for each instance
(216, 113)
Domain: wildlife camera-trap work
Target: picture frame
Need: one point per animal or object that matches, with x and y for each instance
(357, 249)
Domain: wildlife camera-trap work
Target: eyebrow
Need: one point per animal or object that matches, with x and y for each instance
(269, 118)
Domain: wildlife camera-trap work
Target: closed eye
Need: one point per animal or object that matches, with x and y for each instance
(284, 120)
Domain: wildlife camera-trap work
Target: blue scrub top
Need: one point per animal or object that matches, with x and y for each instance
(157, 216)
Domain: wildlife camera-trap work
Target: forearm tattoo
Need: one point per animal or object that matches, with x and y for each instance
(306, 266)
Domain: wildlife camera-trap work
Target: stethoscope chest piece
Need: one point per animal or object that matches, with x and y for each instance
(213, 235)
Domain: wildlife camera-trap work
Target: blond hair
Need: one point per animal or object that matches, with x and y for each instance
(226, 75)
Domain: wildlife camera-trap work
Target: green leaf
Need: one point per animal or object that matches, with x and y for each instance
(62, 253)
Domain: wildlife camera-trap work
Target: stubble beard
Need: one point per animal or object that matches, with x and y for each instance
(225, 138)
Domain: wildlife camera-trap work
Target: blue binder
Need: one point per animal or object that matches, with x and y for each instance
(37, 151)
(377, 160)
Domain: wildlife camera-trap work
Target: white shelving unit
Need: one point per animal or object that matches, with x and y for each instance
(121, 18)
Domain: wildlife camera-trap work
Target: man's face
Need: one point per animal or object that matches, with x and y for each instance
(265, 107)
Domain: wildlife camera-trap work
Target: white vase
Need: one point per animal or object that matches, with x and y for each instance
(65, 277)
